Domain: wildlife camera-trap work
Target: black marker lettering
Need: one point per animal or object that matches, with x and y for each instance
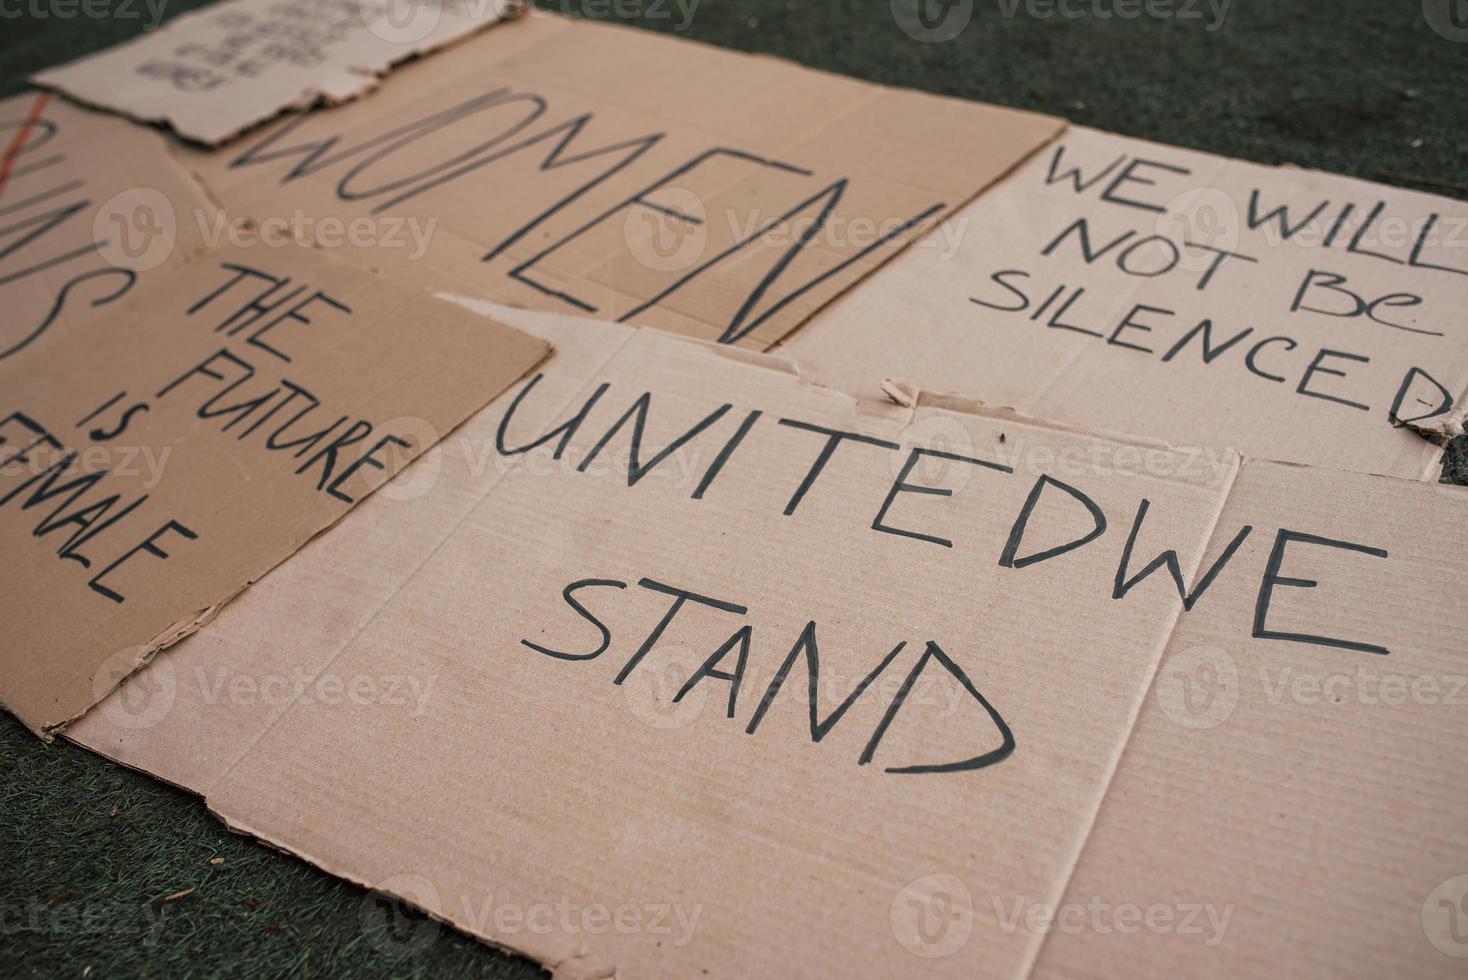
(1272, 579)
(569, 594)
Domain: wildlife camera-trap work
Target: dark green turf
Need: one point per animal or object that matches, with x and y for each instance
(90, 853)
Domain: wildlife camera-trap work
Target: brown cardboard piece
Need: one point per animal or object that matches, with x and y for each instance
(598, 170)
(211, 74)
(152, 470)
(90, 207)
(656, 834)
(1378, 275)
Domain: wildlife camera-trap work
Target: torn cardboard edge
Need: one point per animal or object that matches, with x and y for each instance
(905, 394)
(181, 79)
(415, 902)
(783, 366)
(1442, 429)
(145, 653)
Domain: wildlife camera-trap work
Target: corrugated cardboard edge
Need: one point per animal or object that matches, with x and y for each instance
(143, 655)
(908, 395)
(1057, 896)
(184, 628)
(571, 968)
(1439, 430)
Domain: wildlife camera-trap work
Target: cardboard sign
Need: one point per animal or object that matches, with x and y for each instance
(708, 645)
(90, 207)
(1291, 315)
(211, 74)
(151, 470)
(589, 169)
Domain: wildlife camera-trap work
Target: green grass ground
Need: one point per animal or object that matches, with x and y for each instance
(104, 872)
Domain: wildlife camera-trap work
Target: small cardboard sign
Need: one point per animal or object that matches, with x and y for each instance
(1290, 314)
(211, 74)
(153, 467)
